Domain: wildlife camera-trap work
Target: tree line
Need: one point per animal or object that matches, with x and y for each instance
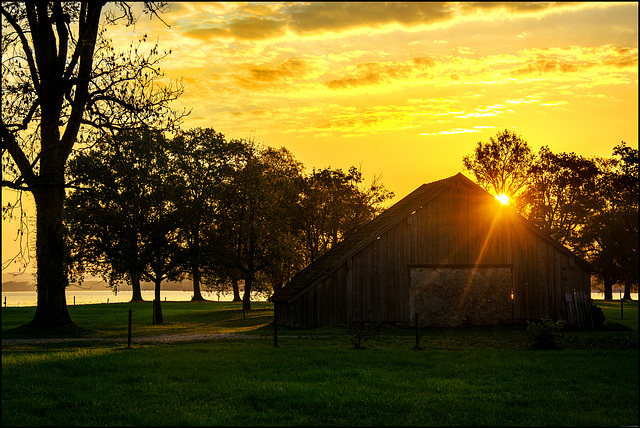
(147, 207)
(588, 204)
(160, 207)
(221, 211)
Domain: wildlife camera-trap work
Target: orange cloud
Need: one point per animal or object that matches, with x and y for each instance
(265, 21)
(250, 28)
(576, 59)
(257, 77)
(268, 9)
(519, 9)
(206, 33)
(289, 68)
(622, 57)
(512, 7)
(373, 73)
(345, 16)
(270, 21)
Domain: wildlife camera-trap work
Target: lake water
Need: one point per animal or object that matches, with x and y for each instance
(85, 297)
(616, 295)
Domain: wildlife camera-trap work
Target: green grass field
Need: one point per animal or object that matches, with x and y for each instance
(471, 376)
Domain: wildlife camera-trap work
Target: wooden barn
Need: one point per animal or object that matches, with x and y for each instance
(451, 254)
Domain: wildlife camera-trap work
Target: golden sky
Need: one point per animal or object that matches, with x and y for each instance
(403, 90)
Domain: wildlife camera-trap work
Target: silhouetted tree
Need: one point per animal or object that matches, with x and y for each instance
(253, 217)
(129, 183)
(202, 162)
(364, 203)
(561, 195)
(104, 214)
(332, 205)
(627, 195)
(502, 164)
(61, 79)
(611, 234)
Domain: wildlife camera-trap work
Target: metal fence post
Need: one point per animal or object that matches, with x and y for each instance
(275, 328)
(129, 334)
(417, 332)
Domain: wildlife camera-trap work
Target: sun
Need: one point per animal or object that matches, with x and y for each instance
(504, 199)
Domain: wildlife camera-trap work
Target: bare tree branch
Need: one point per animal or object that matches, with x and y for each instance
(25, 44)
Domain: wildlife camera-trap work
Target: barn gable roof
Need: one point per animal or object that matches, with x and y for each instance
(339, 253)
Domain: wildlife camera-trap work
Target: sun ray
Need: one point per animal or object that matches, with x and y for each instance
(485, 244)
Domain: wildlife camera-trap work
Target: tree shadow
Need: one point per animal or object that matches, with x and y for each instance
(30, 331)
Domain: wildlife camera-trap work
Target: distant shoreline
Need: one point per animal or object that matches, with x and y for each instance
(91, 297)
(185, 285)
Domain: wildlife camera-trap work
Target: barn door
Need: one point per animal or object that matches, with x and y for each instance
(461, 295)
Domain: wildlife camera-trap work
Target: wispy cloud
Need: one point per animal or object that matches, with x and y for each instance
(556, 103)
(458, 131)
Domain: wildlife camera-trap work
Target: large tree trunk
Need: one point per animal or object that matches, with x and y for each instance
(608, 287)
(236, 290)
(51, 310)
(157, 307)
(48, 191)
(197, 297)
(246, 298)
(627, 291)
(135, 288)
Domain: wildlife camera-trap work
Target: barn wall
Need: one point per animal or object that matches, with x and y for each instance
(543, 275)
(461, 226)
(461, 295)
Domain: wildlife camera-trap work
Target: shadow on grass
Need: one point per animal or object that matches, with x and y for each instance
(29, 331)
(614, 326)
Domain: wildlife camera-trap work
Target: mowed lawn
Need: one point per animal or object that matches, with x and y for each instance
(470, 376)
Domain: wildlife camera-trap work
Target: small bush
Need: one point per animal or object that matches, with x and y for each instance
(544, 333)
(363, 330)
(356, 341)
(598, 316)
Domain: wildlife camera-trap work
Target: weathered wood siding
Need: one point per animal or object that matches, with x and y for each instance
(461, 226)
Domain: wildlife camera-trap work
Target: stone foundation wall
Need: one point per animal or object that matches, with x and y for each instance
(458, 296)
